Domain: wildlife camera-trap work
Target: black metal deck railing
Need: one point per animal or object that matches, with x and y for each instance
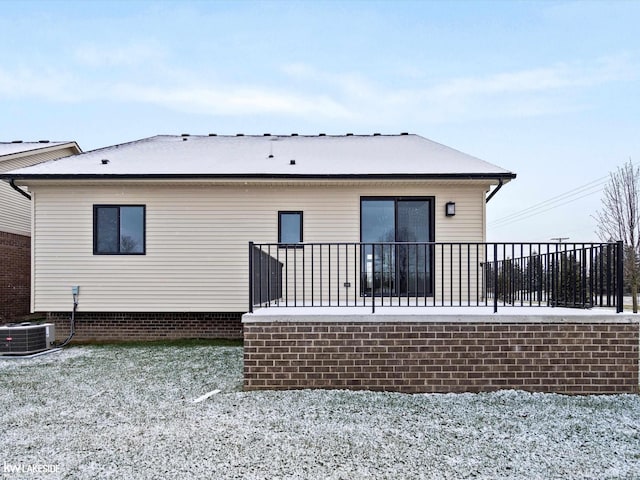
(423, 274)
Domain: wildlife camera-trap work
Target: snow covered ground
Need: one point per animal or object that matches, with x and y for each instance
(180, 412)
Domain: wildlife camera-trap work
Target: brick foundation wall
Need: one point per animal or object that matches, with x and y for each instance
(15, 276)
(106, 326)
(578, 358)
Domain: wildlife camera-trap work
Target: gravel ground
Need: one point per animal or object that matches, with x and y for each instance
(139, 412)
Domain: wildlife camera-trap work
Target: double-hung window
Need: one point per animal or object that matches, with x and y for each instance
(118, 229)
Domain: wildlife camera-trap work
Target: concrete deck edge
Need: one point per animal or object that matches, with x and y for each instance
(431, 315)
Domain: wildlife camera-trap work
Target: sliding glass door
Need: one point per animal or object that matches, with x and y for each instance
(395, 260)
(378, 226)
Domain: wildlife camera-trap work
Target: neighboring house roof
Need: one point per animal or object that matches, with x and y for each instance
(15, 210)
(19, 147)
(271, 156)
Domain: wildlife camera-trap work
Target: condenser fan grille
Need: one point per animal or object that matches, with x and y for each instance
(25, 339)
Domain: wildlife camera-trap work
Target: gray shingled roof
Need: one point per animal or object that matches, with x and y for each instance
(270, 156)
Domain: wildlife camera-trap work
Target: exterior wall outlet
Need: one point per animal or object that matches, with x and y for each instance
(75, 290)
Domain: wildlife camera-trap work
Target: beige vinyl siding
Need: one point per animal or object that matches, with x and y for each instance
(15, 209)
(197, 237)
(458, 267)
(26, 159)
(329, 274)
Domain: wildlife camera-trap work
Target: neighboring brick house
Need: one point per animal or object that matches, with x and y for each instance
(15, 223)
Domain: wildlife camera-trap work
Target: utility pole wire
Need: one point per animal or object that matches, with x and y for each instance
(497, 224)
(535, 209)
(575, 191)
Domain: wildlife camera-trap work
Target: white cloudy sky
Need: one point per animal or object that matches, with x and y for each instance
(549, 90)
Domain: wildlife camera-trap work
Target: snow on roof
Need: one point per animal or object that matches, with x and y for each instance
(270, 155)
(11, 148)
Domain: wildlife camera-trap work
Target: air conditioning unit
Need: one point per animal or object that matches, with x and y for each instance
(26, 338)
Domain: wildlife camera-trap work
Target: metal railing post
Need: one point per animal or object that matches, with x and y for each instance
(619, 277)
(495, 278)
(250, 277)
(373, 278)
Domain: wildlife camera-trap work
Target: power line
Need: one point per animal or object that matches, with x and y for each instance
(525, 215)
(552, 202)
(589, 188)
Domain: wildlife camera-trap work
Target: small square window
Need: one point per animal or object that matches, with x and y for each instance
(289, 227)
(118, 229)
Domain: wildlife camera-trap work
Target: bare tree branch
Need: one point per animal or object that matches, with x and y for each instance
(619, 219)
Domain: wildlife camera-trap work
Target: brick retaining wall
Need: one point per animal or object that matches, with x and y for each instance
(15, 276)
(570, 358)
(106, 326)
